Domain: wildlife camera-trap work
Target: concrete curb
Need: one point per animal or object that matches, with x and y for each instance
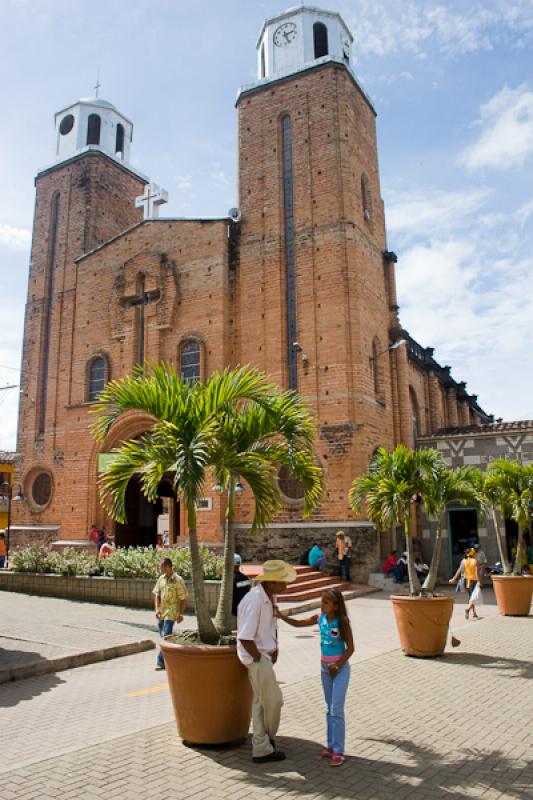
(291, 611)
(74, 660)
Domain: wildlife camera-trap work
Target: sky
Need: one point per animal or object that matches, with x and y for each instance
(452, 83)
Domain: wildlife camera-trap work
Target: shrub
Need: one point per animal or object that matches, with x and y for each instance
(129, 562)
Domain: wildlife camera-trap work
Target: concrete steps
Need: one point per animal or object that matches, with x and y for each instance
(309, 586)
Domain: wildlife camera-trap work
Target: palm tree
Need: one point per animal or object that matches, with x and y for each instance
(280, 431)
(508, 489)
(194, 433)
(446, 486)
(392, 486)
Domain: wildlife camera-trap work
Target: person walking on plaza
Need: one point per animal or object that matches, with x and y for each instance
(170, 595)
(336, 645)
(257, 649)
(343, 556)
(470, 567)
(241, 586)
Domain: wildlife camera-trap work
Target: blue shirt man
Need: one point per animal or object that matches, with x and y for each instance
(317, 558)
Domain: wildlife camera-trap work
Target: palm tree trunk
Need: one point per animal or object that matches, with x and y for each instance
(223, 615)
(501, 542)
(431, 578)
(414, 583)
(206, 629)
(520, 548)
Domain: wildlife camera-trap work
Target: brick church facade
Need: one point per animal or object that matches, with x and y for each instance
(298, 281)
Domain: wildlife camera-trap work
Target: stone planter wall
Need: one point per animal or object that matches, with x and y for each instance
(132, 592)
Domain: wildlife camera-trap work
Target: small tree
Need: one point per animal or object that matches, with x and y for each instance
(508, 489)
(391, 488)
(444, 487)
(200, 429)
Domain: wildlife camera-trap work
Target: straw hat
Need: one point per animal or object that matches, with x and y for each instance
(276, 572)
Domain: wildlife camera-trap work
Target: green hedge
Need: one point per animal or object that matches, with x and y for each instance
(128, 562)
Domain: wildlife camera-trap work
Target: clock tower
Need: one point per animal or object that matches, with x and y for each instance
(299, 37)
(315, 293)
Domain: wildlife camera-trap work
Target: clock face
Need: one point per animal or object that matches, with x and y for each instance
(285, 34)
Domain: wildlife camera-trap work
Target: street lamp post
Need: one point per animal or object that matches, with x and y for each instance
(6, 493)
(394, 346)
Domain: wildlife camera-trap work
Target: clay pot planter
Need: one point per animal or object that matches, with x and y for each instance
(513, 594)
(211, 693)
(423, 624)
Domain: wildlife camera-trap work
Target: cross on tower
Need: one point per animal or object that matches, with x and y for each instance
(97, 85)
(139, 301)
(153, 197)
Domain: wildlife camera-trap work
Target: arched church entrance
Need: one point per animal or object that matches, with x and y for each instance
(149, 524)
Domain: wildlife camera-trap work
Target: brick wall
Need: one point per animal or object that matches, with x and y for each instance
(342, 301)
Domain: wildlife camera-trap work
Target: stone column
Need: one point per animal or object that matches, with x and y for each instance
(435, 404)
(404, 401)
(451, 399)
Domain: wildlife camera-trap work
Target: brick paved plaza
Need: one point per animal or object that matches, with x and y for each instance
(451, 727)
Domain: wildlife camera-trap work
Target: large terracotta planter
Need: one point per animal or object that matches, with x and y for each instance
(422, 624)
(513, 594)
(210, 691)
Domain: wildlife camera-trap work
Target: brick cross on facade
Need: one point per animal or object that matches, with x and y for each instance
(153, 197)
(139, 301)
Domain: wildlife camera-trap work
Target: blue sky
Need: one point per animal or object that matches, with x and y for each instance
(452, 83)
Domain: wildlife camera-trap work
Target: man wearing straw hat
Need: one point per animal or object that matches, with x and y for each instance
(257, 648)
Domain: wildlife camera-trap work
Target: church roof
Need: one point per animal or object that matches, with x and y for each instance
(488, 428)
(8, 457)
(96, 101)
(151, 221)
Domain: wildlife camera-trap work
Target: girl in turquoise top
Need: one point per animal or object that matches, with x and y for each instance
(336, 646)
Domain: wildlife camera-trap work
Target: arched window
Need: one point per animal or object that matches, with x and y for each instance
(98, 375)
(93, 129)
(366, 197)
(320, 36)
(119, 144)
(191, 361)
(263, 65)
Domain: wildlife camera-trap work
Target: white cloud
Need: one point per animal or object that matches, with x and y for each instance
(506, 139)
(416, 27)
(218, 178)
(18, 238)
(183, 182)
(464, 276)
(430, 213)
(476, 311)
(525, 212)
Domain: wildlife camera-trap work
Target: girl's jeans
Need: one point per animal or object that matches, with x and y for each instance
(165, 629)
(335, 695)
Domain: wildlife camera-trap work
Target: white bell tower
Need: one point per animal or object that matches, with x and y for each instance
(92, 124)
(299, 37)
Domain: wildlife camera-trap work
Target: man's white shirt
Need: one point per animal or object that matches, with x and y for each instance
(256, 622)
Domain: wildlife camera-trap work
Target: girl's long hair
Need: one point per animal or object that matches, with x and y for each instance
(342, 614)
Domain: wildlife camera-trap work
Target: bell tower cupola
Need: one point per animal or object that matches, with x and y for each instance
(92, 124)
(299, 37)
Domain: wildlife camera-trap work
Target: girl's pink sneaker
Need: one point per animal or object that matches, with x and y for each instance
(337, 759)
(326, 753)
